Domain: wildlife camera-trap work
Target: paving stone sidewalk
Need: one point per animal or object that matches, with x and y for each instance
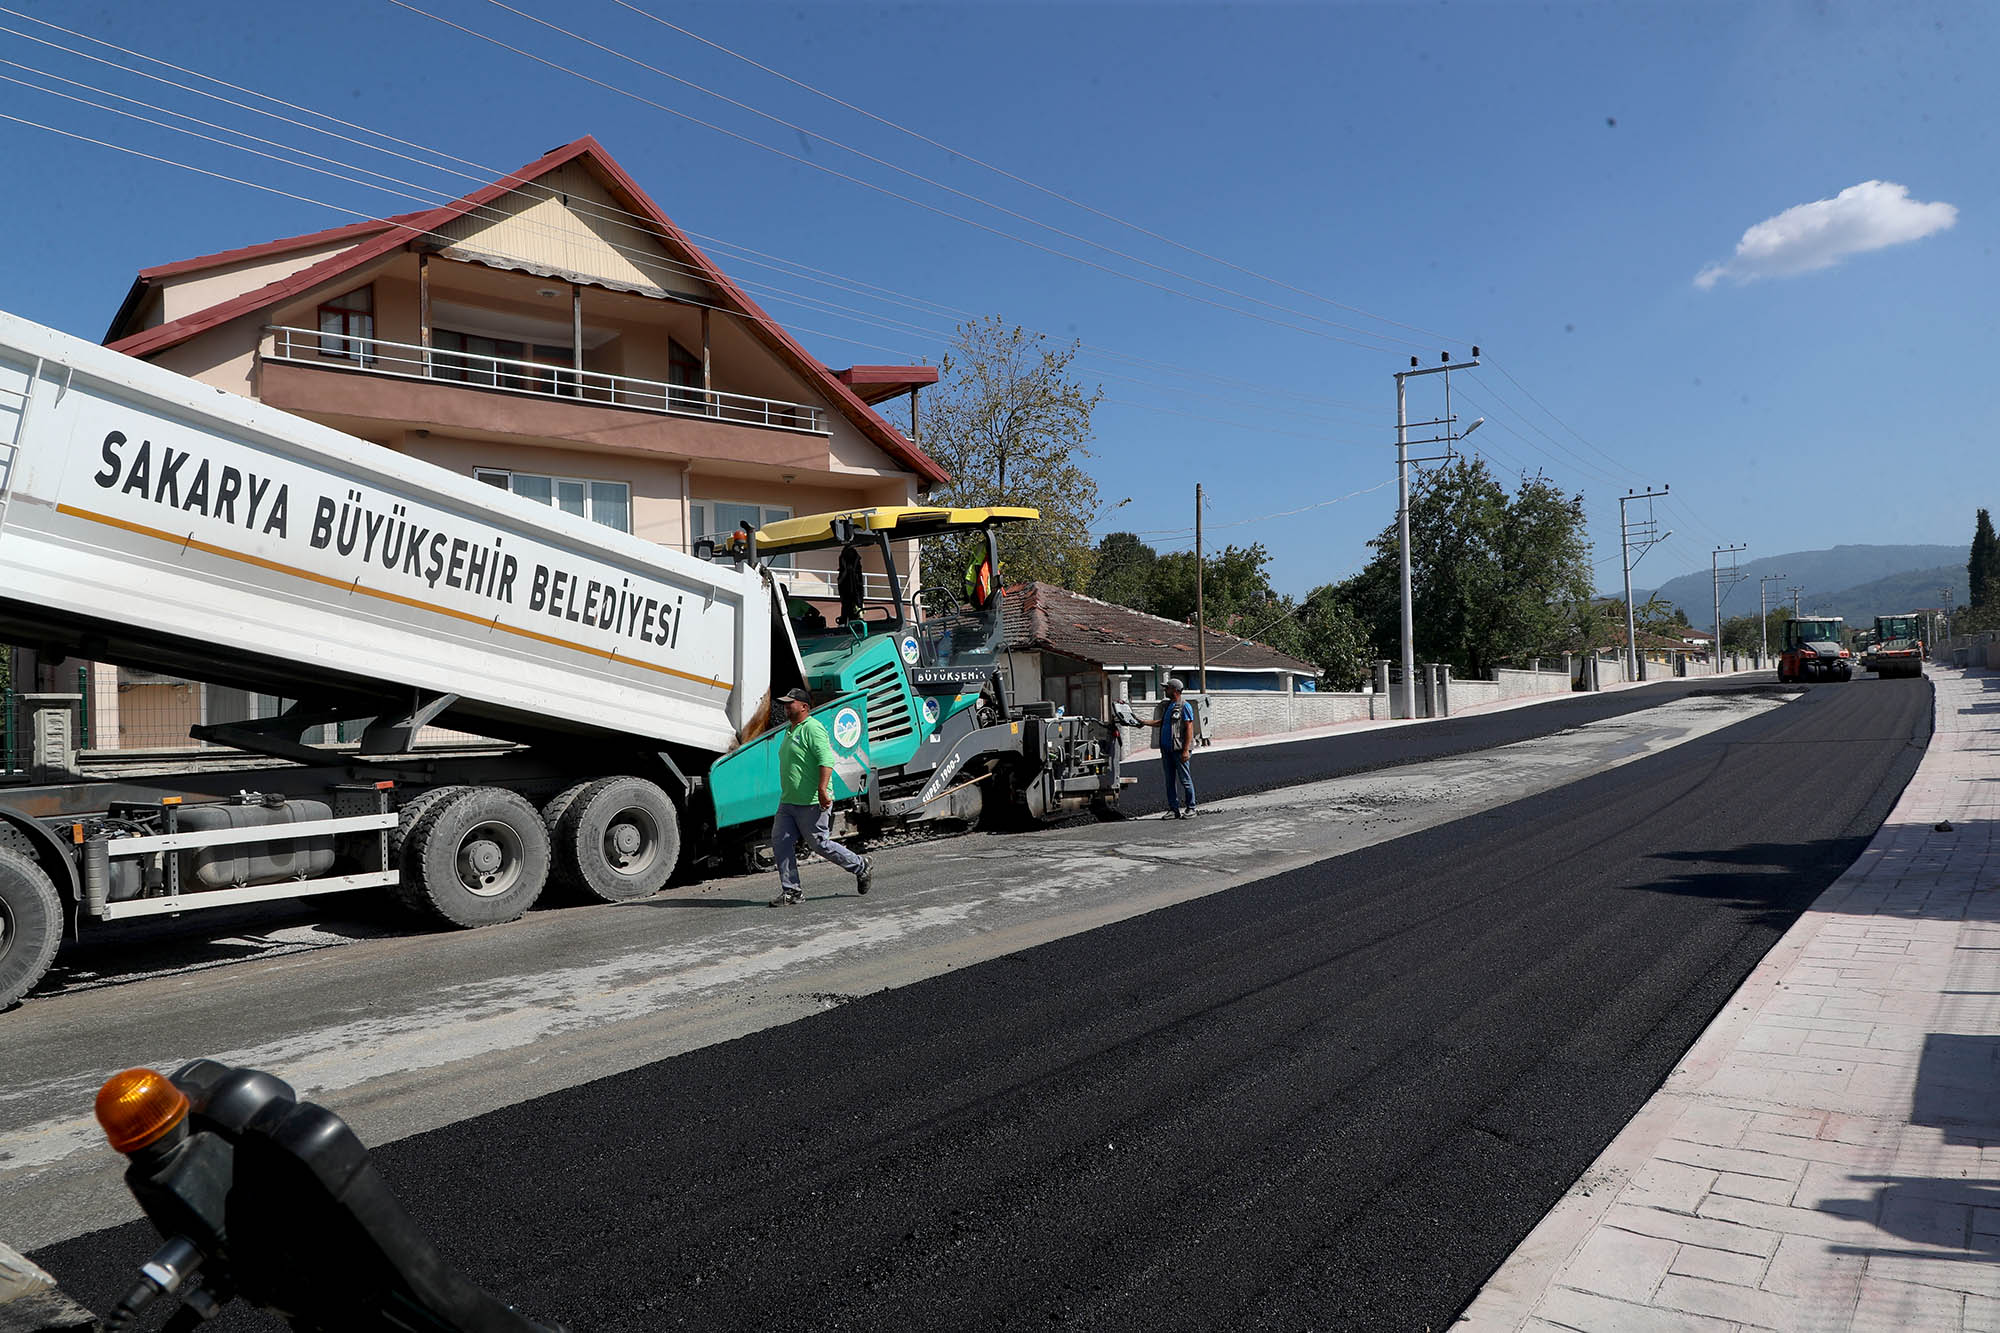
(1827, 1155)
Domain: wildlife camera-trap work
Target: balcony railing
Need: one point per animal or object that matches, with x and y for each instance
(824, 585)
(536, 379)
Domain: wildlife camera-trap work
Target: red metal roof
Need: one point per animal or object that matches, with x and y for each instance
(286, 245)
(873, 384)
(396, 232)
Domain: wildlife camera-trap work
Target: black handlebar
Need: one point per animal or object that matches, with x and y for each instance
(276, 1200)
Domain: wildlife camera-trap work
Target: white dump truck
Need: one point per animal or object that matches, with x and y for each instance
(155, 522)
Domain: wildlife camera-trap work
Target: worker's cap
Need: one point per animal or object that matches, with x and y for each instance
(798, 693)
(1174, 683)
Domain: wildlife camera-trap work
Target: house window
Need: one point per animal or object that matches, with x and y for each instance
(347, 326)
(717, 518)
(684, 374)
(471, 358)
(606, 502)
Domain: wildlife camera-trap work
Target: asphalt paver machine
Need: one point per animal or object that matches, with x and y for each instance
(913, 687)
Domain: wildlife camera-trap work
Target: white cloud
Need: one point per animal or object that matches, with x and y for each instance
(1806, 237)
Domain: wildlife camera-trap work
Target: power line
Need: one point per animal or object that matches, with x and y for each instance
(1578, 459)
(1559, 421)
(782, 298)
(306, 199)
(432, 197)
(1266, 518)
(928, 180)
(597, 210)
(1022, 180)
(645, 260)
(871, 185)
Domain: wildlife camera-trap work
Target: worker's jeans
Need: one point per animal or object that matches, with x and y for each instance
(1180, 782)
(812, 825)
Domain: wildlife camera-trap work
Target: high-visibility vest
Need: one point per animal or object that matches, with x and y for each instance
(979, 583)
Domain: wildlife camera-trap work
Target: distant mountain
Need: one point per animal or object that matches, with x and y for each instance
(1915, 588)
(1827, 578)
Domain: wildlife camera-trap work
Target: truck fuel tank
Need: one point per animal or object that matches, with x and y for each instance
(234, 865)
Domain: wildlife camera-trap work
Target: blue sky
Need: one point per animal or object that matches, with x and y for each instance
(1547, 181)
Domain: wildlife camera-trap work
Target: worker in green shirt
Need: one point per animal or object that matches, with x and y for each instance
(805, 801)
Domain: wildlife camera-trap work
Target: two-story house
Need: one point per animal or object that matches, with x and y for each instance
(553, 333)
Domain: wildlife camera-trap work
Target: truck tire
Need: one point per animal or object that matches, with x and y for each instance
(618, 840)
(31, 924)
(552, 817)
(407, 892)
(409, 816)
(476, 857)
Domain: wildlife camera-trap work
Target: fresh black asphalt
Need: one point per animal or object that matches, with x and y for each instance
(1221, 773)
(1332, 1099)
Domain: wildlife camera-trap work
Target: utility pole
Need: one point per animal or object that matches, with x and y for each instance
(1795, 600)
(1407, 691)
(1200, 614)
(1764, 617)
(1648, 540)
(1715, 583)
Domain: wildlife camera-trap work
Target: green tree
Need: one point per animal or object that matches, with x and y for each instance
(1495, 577)
(1233, 583)
(1320, 629)
(1327, 633)
(1655, 615)
(1982, 569)
(1011, 425)
(1123, 571)
(1740, 635)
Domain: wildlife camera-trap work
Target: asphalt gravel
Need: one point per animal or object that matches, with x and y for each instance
(1332, 1099)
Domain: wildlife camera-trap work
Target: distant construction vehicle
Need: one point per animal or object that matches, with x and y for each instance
(1898, 649)
(1813, 650)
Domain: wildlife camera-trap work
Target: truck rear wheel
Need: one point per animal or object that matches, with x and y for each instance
(411, 815)
(616, 840)
(476, 857)
(31, 925)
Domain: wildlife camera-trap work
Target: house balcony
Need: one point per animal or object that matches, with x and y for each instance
(356, 383)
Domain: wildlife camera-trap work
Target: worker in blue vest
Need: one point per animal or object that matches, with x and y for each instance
(1176, 748)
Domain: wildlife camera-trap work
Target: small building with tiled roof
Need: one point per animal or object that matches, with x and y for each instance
(1076, 651)
(1661, 647)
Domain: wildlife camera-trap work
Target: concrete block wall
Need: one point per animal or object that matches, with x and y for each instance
(1235, 716)
(1471, 693)
(1261, 713)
